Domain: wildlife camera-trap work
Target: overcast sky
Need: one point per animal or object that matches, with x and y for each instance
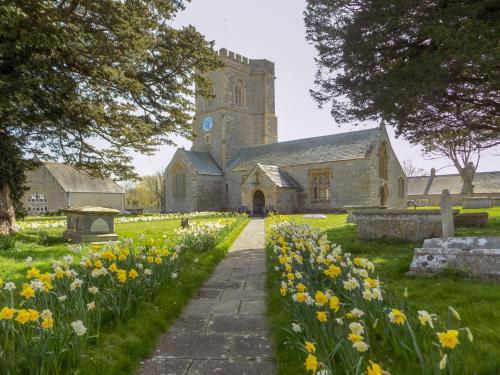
(274, 30)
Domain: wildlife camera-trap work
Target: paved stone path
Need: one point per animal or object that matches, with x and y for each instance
(223, 329)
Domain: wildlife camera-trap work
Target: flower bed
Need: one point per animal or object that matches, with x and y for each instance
(202, 236)
(47, 322)
(344, 319)
(61, 223)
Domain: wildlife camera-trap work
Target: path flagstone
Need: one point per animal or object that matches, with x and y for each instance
(223, 329)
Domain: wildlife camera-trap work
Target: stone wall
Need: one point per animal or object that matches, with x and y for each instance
(209, 195)
(409, 225)
(187, 204)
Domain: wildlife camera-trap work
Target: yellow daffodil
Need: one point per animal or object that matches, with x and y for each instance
(283, 291)
(449, 339)
(353, 337)
(34, 315)
(332, 271)
(133, 274)
(23, 316)
(334, 303)
(7, 313)
(113, 268)
(300, 287)
(301, 297)
(33, 273)
(320, 298)
(121, 275)
(397, 317)
(310, 347)
(311, 363)
(27, 292)
(321, 316)
(48, 323)
(375, 369)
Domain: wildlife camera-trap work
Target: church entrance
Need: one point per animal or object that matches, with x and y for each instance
(384, 195)
(259, 201)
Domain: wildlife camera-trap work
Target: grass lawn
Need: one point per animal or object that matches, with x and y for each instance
(119, 349)
(477, 301)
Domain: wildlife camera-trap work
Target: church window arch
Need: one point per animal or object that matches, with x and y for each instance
(239, 93)
(383, 161)
(179, 181)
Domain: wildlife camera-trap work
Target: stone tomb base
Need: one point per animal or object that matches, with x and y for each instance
(90, 224)
(477, 256)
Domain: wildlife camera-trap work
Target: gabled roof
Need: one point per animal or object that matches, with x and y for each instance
(203, 163)
(75, 181)
(278, 176)
(484, 183)
(342, 146)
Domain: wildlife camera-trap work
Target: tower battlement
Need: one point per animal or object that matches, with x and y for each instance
(230, 55)
(261, 66)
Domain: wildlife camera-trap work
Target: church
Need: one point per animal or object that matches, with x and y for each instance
(237, 163)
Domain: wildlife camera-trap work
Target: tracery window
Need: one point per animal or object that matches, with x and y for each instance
(383, 161)
(319, 184)
(179, 181)
(238, 93)
(37, 202)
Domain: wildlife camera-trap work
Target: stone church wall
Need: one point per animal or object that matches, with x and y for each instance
(209, 193)
(349, 184)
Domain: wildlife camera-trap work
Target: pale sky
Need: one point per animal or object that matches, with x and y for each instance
(274, 30)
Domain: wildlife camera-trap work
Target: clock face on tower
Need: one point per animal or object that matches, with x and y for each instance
(207, 124)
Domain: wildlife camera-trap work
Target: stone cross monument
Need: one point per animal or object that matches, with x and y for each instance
(447, 224)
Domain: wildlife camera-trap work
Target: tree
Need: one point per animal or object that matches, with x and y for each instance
(425, 67)
(87, 82)
(411, 170)
(463, 149)
(148, 192)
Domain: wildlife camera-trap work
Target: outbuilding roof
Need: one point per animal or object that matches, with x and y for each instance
(334, 147)
(203, 163)
(75, 181)
(484, 183)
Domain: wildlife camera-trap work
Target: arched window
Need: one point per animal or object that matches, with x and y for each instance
(401, 187)
(239, 93)
(179, 181)
(383, 161)
(384, 195)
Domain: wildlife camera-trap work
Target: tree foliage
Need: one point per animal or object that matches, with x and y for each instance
(91, 81)
(424, 66)
(148, 192)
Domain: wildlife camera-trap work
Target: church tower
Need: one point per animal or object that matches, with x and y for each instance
(242, 113)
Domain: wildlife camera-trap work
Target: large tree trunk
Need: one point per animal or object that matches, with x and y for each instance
(7, 215)
(467, 174)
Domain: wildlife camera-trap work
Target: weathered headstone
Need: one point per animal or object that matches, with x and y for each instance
(448, 228)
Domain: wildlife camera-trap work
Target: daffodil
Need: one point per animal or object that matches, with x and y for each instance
(311, 363)
(7, 313)
(397, 317)
(449, 339)
(23, 316)
(27, 292)
(47, 323)
(310, 347)
(321, 316)
(374, 369)
(334, 303)
(320, 298)
(33, 273)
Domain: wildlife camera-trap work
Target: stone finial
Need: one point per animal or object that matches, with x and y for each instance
(447, 224)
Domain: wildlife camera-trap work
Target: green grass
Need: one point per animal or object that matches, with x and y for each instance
(47, 246)
(119, 349)
(476, 300)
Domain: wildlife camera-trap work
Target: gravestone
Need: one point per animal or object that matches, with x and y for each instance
(315, 216)
(448, 228)
(90, 224)
(476, 256)
(475, 219)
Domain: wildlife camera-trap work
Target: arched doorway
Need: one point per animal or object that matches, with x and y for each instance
(384, 195)
(259, 201)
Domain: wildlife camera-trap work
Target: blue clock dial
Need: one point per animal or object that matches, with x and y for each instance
(207, 124)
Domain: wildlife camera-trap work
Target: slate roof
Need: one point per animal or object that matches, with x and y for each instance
(203, 163)
(342, 146)
(484, 183)
(72, 180)
(279, 177)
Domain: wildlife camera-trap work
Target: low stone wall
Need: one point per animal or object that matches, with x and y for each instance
(481, 202)
(477, 256)
(409, 225)
(351, 217)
